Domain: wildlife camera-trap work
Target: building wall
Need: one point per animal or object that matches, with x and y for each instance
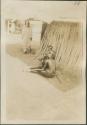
(36, 30)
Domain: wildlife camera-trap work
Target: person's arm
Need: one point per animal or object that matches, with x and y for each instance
(45, 65)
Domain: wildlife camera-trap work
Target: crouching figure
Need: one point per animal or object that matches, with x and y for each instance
(47, 67)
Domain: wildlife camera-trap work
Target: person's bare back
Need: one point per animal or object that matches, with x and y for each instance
(49, 68)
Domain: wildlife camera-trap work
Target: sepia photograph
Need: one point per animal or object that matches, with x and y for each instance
(43, 62)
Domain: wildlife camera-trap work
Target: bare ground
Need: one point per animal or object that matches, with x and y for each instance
(31, 97)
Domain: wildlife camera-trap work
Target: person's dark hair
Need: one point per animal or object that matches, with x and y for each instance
(46, 57)
(50, 47)
(53, 56)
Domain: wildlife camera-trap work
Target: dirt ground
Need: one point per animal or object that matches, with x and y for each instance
(31, 97)
(66, 79)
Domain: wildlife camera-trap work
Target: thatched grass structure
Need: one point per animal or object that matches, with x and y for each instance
(65, 37)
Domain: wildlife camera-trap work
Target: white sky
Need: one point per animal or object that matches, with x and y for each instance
(44, 10)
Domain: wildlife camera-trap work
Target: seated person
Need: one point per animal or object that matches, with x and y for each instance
(47, 67)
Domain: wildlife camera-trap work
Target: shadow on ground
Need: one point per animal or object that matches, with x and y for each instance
(16, 50)
(64, 80)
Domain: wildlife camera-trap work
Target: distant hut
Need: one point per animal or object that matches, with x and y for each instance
(11, 26)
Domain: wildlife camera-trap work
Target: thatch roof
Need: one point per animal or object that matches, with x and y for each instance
(65, 37)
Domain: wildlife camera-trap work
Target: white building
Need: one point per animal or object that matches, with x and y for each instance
(36, 30)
